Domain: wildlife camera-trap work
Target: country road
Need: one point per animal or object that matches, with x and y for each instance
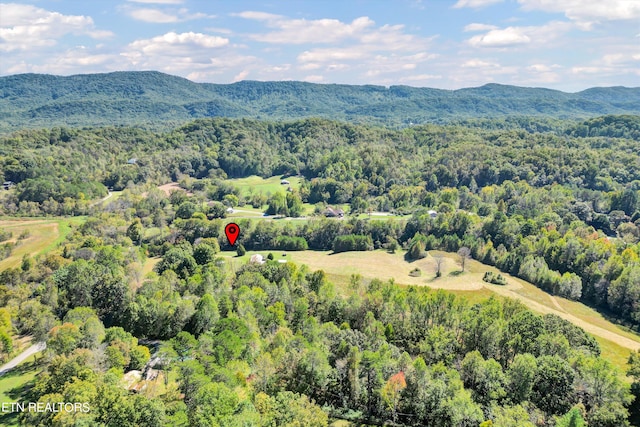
(104, 199)
(35, 348)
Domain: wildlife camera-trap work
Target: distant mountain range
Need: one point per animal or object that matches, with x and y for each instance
(159, 100)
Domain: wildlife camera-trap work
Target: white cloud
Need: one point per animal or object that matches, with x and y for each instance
(478, 63)
(165, 16)
(588, 11)
(197, 56)
(475, 3)
(337, 67)
(258, 16)
(172, 42)
(518, 36)
(588, 70)
(152, 15)
(510, 36)
(331, 55)
(314, 78)
(25, 27)
(541, 68)
(240, 76)
(300, 31)
(69, 62)
(309, 66)
(479, 27)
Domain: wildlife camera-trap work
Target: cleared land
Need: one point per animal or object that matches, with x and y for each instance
(43, 236)
(616, 342)
(256, 184)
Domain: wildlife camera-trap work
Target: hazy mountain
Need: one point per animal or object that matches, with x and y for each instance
(159, 100)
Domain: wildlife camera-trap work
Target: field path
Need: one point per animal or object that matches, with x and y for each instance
(589, 327)
(378, 264)
(38, 347)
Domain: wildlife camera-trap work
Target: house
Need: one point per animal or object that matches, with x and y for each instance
(432, 214)
(8, 184)
(332, 212)
(284, 182)
(132, 161)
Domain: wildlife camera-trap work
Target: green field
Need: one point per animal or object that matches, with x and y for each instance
(616, 342)
(14, 386)
(256, 184)
(44, 235)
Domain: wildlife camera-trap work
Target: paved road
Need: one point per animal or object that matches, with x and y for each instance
(22, 356)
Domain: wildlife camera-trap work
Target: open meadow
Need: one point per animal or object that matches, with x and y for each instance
(39, 236)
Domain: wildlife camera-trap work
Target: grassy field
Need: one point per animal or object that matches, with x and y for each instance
(44, 235)
(616, 342)
(14, 386)
(256, 184)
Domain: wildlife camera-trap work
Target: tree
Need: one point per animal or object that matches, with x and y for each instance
(186, 210)
(206, 315)
(464, 253)
(204, 253)
(184, 343)
(241, 251)
(64, 339)
(439, 260)
(520, 377)
(391, 392)
(553, 385)
(135, 231)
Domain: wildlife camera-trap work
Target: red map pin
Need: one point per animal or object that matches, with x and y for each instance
(232, 231)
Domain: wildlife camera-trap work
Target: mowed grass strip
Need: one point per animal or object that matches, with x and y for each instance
(44, 236)
(14, 386)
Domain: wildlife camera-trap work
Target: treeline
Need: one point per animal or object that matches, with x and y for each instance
(368, 167)
(539, 234)
(268, 344)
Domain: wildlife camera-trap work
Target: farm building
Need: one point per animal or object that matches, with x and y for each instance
(332, 212)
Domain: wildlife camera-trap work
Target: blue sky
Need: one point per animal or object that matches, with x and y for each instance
(562, 44)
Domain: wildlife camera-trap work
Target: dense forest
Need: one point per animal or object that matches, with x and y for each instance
(161, 101)
(555, 203)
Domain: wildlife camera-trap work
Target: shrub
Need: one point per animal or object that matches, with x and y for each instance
(498, 279)
(416, 272)
(241, 251)
(288, 243)
(352, 242)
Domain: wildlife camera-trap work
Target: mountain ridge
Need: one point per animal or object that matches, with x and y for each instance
(159, 100)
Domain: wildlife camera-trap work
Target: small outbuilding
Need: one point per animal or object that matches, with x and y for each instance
(332, 212)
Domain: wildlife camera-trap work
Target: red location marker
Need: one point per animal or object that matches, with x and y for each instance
(232, 231)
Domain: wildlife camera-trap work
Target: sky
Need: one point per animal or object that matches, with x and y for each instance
(568, 45)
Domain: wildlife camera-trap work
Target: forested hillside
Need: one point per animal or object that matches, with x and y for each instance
(159, 101)
(231, 343)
